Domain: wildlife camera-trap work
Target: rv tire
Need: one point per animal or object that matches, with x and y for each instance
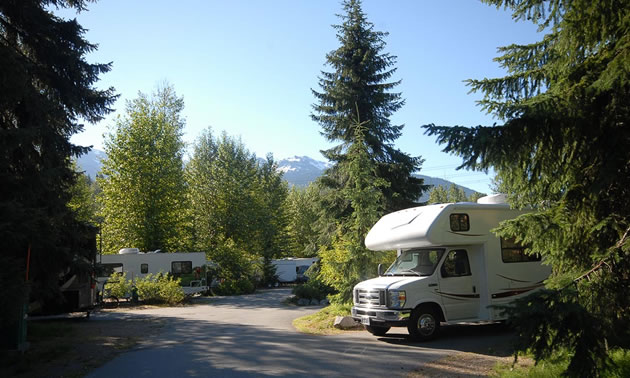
(377, 330)
(424, 323)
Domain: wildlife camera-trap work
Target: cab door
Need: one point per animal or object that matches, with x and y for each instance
(457, 288)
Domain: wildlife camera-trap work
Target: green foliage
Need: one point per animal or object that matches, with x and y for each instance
(454, 194)
(118, 286)
(358, 85)
(563, 150)
(321, 322)
(236, 205)
(237, 286)
(346, 261)
(171, 291)
(47, 90)
(302, 219)
(313, 288)
(149, 288)
(82, 201)
(555, 365)
(142, 178)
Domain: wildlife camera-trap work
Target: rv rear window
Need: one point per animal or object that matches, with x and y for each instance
(181, 267)
(460, 222)
(144, 268)
(513, 252)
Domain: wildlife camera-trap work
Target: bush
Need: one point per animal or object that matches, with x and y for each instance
(235, 287)
(160, 288)
(171, 291)
(313, 288)
(118, 286)
(149, 288)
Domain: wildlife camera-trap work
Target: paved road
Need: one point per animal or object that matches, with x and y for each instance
(252, 335)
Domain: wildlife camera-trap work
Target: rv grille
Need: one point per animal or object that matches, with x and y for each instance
(369, 298)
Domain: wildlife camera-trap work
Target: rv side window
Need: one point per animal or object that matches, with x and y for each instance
(108, 269)
(144, 268)
(181, 267)
(456, 264)
(513, 252)
(460, 222)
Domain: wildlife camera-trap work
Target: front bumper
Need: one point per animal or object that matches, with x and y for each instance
(382, 317)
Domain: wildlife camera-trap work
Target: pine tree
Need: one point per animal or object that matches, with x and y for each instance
(358, 85)
(143, 191)
(46, 90)
(347, 262)
(438, 195)
(564, 150)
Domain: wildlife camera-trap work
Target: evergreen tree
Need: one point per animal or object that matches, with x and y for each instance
(564, 150)
(358, 85)
(143, 190)
(46, 89)
(456, 194)
(347, 262)
(438, 195)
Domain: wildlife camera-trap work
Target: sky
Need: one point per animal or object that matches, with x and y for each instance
(247, 67)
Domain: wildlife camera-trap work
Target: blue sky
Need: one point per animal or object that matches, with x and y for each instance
(247, 67)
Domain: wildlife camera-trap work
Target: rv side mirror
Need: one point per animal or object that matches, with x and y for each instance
(380, 270)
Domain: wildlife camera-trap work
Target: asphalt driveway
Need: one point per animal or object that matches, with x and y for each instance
(252, 335)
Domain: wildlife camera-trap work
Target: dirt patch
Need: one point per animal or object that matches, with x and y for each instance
(466, 365)
(71, 346)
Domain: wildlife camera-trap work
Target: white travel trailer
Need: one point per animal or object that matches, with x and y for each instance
(292, 269)
(450, 268)
(189, 266)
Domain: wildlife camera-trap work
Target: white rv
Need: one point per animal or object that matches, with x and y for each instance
(292, 269)
(189, 266)
(450, 268)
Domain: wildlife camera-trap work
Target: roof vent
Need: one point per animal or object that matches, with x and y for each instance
(493, 199)
(128, 251)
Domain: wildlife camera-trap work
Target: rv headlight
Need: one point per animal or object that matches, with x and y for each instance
(397, 298)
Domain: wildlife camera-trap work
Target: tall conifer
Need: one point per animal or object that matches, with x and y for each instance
(359, 85)
(564, 150)
(46, 91)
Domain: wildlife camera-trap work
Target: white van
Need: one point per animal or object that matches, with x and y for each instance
(450, 268)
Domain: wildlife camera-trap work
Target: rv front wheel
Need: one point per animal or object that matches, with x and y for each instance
(424, 324)
(376, 330)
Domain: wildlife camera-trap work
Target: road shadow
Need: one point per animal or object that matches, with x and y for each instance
(493, 339)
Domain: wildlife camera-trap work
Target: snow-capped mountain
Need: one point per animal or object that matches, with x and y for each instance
(301, 170)
(297, 171)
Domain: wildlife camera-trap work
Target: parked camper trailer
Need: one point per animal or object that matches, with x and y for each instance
(189, 266)
(450, 268)
(292, 269)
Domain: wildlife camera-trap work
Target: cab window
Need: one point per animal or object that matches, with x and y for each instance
(456, 264)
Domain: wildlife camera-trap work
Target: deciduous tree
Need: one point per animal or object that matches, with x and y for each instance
(143, 189)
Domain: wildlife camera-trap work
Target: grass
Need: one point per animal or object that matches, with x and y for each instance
(321, 322)
(555, 367)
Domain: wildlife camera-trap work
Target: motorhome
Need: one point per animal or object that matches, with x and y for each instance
(450, 268)
(292, 269)
(190, 267)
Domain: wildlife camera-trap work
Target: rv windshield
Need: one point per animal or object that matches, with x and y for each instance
(416, 262)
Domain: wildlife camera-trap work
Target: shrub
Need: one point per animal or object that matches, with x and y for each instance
(118, 286)
(313, 288)
(171, 291)
(160, 288)
(235, 287)
(149, 288)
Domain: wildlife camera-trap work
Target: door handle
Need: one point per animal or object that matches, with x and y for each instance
(474, 289)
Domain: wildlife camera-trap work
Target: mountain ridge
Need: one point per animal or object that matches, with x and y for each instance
(297, 171)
